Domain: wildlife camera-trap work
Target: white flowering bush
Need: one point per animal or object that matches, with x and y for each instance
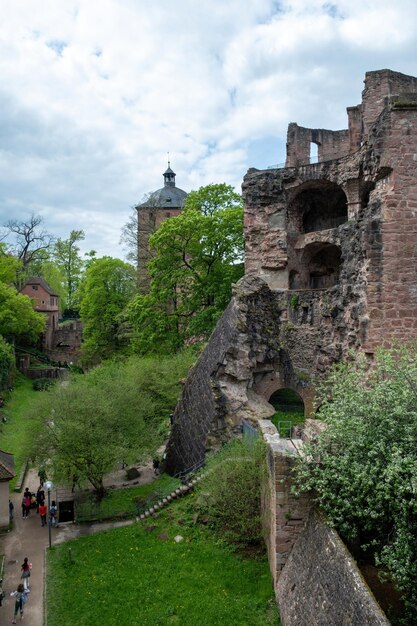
(363, 467)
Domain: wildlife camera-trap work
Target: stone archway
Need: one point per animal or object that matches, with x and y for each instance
(271, 383)
(318, 205)
(286, 399)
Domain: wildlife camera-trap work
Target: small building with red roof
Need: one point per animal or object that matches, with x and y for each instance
(47, 302)
(6, 474)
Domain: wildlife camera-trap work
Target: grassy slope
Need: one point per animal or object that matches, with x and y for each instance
(123, 502)
(136, 576)
(12, 435)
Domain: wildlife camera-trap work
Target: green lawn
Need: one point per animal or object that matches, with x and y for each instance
(139, 576)
(12, 434)
(285, 420)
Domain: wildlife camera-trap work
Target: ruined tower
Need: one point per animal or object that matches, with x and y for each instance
(159, 206)
(331, 266)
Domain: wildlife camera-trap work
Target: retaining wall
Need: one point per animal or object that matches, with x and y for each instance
(317, 582)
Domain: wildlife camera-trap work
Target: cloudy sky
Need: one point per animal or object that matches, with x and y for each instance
(94, 93)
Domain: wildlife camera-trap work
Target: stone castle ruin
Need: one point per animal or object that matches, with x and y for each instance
(331, 251)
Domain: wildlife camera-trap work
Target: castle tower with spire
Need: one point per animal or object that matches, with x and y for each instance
(160, 205)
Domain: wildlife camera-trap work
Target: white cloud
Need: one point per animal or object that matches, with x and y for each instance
(93, 94)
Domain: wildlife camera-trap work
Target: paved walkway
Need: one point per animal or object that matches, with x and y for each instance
(28, 538)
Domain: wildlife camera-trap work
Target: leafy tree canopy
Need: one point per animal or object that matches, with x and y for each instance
(66, 255)
(18, 320)
(117, 412)
(198, 256)
(107, 287)
(7, 364)
(363, 467)
(9, 266)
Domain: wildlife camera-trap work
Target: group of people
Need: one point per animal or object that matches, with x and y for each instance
(22, 592)
(37, 501)
(29, 501)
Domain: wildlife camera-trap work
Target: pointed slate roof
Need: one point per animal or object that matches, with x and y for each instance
(6, 466)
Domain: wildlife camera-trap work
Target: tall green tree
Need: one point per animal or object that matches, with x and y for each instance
(28, 241)
(66, 254)
(363, 467)
(18, 319)
(108, 285)
(116, 412)
(197, 257)
(7, 364)
(9, 266)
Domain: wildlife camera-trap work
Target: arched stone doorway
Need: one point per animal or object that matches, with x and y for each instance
(290, 411)
(287, 400)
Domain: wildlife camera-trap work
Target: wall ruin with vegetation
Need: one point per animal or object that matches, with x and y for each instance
(316, 580)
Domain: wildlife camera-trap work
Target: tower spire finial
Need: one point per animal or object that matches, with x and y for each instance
(169, 175)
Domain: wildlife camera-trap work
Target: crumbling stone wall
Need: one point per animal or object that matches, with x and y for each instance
(322, 585)
(316, 580)
(330, 144)
(331, 265)
(66, 343)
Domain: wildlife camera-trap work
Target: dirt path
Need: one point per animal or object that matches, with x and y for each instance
(28, 538)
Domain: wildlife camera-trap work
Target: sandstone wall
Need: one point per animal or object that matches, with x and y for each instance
(201, 408)
(316, 579)
(331, 266)
(331, 144)
(263, 342)
(381, 85)
(321, 584)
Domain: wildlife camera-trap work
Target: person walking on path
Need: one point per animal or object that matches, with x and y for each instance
(11, 509)
(40, 498)
(43, 509)
(26, 567)
(52, 514)
(21, 596)
(42, 476)
(26, 503)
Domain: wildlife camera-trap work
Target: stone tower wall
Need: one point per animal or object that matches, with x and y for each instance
(330, 267)
(149, 220)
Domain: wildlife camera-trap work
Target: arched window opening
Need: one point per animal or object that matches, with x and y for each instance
(325, 210)
(287, 400)
(324, 267)
(295, 280)
(320, 206)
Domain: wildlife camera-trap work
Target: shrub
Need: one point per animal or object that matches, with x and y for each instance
(363, 467)
(42, 384)
(231, 491)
